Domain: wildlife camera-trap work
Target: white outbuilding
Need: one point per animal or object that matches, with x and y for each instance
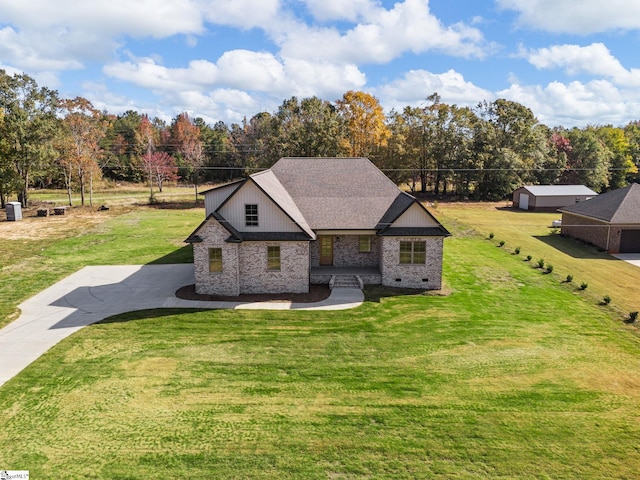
(548, 198)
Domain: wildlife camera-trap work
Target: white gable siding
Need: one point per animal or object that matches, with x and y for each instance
(270, 217)
(415, 216)
(214, 198)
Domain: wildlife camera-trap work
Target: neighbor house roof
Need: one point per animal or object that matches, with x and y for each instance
(558, 190)
(617, 206)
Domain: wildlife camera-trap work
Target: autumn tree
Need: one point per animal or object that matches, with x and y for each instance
(365, 127)
(185, 139)
(159, 167)
(621, 163)
(28, 127)
(84, 127)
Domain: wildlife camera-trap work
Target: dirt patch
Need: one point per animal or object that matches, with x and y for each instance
(32, 227)
(316, 294)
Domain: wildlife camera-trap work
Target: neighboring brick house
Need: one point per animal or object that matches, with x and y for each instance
(548, 198)
(315, 220)
(610, 221)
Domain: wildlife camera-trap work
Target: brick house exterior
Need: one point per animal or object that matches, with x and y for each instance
(610, 221)
(307, 219)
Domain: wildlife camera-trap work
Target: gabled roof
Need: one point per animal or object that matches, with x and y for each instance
(558, 190)
(400, 205)
(238, 237)
(337, 193)
(617, 206)
(331, 194)
(270, 185)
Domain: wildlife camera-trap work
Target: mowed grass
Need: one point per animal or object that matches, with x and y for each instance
(603, 273)
(122, 236)
(511, 375)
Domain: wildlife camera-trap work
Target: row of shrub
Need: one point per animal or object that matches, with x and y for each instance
(548, 268)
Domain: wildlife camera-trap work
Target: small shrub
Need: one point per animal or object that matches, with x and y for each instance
(584, 285)
(633, 316)
(529, 258)
(502, 243)
(517, 251)
(569, 278)
(549, 268)
(491, 235)
(541, 263)
(606, 300)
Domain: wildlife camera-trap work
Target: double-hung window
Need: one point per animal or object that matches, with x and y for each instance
(413, 253)
(364, 244)
(251, 215)
(215, 260)
(273, 257)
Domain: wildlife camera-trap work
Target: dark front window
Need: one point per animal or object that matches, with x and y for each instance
(251, 215)
(413, 253)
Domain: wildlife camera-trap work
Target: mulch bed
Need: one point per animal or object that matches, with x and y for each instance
(316, 294)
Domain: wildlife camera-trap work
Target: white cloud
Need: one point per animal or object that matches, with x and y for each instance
(416, 85)
(407, 27)
(577, 103)
(580, 17)
(244, 14)
(242, 70)
(349, 10)
(595, 59)
(141, 18)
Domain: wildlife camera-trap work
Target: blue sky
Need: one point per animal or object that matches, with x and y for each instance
(574, 63)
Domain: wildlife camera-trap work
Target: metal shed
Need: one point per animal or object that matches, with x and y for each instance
(550, 197)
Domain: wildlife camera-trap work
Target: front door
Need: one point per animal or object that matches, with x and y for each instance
(326, 250)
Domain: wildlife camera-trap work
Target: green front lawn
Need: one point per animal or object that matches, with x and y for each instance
(513, 374)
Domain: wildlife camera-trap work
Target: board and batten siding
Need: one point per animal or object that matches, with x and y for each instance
(214, 198)
(414, 217)
(270, 217)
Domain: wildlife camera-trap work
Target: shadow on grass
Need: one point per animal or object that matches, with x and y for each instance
(181, 255)
(149, 314)
(375, 293)
(573, 247)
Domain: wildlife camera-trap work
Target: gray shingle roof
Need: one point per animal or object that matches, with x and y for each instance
(619, 206)
(337, 193)
(558, 190)
(271, 185)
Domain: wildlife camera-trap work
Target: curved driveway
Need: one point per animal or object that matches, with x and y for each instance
(95, 293)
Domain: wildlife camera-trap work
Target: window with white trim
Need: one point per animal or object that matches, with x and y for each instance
(412, 252)
(251, 215)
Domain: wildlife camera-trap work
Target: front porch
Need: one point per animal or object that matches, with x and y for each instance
(322, 275)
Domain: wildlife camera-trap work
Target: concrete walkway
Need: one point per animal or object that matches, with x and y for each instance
(95, 293)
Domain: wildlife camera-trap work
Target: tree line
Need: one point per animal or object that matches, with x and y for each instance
(481, 153)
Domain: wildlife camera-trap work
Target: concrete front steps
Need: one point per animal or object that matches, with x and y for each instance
(345, 281)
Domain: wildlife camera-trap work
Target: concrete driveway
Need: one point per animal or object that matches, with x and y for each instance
(95, 293)
(632, 258)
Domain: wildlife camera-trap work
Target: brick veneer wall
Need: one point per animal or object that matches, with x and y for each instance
(427, 276)
(216, 283)
(346, 252)
(592, 231)
(293, 276)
